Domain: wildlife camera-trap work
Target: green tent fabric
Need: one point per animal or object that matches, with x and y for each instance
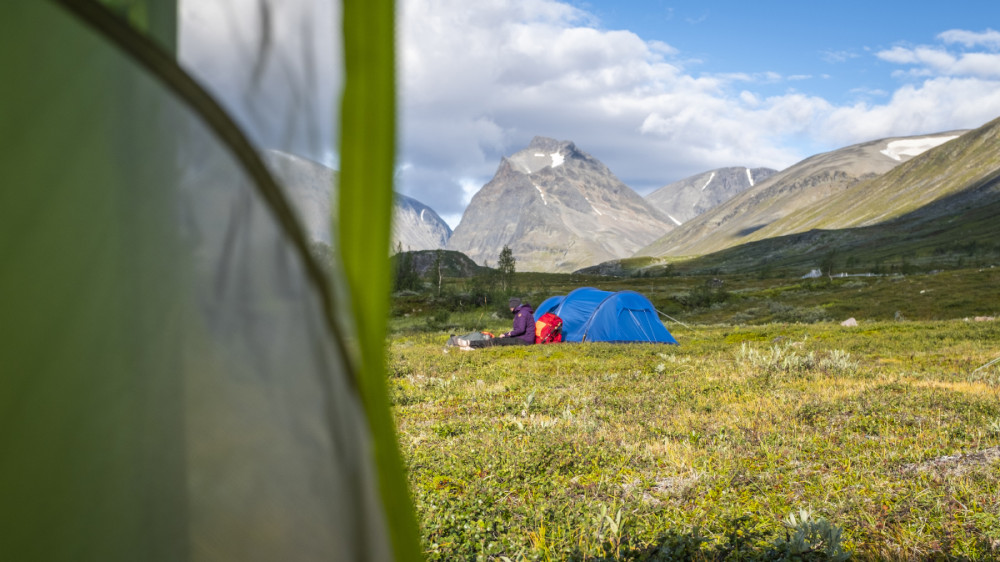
(177, 383)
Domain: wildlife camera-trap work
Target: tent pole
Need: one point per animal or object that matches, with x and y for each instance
(672, 318)
(986, 365)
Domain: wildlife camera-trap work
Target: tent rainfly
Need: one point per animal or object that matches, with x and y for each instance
(593, 315)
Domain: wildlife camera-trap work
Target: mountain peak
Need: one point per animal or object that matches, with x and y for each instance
(558, 209)
(542, 152)
(548, 144)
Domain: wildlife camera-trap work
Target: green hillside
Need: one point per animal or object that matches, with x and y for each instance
(936, 211)
(453, 264)
(943, 181)
(919, 241)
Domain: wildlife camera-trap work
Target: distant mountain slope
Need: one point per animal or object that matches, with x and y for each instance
(558, 209)
(939, 208)
(309, 186)
(802, 185)
(683, 200)
(938, 182)
(416, 226)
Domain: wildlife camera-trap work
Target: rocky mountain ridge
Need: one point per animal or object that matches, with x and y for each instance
(685, 199)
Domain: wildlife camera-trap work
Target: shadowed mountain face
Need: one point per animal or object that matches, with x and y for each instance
(558, 209)
(810, 184)
(309, 187)
(683, 200)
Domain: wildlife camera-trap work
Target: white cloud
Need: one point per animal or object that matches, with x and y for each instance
(834, 57)
(989, 38)
(869, 92)
(749, 99)
(469, 187)
(768, 77)
(921, 55)
(936, 105)
(663, 48)
(983, 65)
(937, 61)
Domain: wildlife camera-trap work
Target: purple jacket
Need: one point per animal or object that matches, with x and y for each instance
(524, 324)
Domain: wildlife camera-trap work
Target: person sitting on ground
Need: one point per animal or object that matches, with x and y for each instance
(523, 332)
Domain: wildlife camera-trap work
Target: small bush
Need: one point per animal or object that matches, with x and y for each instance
(438, 319)
(788, 359)
(838, 361)
(808, 538)
(704, 296)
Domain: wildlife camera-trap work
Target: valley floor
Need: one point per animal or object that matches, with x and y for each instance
(880, 440)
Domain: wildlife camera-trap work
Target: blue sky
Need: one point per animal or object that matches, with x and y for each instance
(828, 47)
(658, 90)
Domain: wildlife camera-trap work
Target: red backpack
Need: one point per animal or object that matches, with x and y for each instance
(548, 329)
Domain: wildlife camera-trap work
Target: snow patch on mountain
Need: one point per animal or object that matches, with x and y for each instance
(749, 177)
(593, 207)
(710, 178)
(542, 193)
(897, 149)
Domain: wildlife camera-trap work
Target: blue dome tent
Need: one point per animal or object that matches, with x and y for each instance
(591, 314)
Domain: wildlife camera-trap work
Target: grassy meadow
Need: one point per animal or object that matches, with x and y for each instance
(771, 432)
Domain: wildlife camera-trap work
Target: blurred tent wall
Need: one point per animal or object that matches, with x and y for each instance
(178, 379)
